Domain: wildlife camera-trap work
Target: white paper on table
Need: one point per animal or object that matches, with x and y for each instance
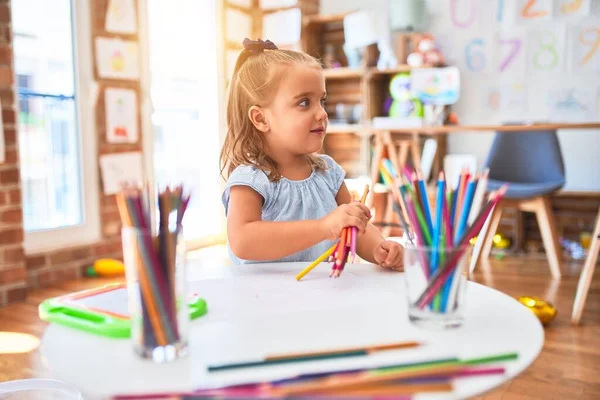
(283, 27)
(572, 8)
(117, 59)
(121, 115)
(576, 104)
(121, 17)
(121, 168)
(546, 48)
(585, 46)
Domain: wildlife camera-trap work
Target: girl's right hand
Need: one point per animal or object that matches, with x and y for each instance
(351, 214)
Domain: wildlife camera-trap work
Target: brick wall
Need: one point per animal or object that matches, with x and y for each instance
(13, 273)
(18, 271)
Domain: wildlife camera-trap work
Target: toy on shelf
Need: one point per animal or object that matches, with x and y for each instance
(426, 54)
(403, 104)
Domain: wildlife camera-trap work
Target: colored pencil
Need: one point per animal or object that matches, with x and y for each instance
(321, 258)
(313, 356)
(442, 274)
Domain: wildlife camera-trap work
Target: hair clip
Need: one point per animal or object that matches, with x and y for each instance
(257, 46)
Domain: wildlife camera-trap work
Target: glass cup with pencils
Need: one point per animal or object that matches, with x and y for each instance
(438, 245)
(155, 273)
(436, 279)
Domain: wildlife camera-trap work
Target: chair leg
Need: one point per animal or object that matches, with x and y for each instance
(547, 225)
(489, 237)
(586, 274)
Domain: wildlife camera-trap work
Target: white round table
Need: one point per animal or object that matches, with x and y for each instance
(255, 310)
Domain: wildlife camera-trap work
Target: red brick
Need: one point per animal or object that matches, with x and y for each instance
(44, 278)
(4, 13)
(111, 216)
(65, 274)
(3, 198)
(16, 294)
(13, 255)
(7, 96)
(9, 176)
(11, 156)
(14, 196)
(7, 78)
(12, 275)
(109, 201)
(8, 116)
(36, 262)
(6, 55)
(69, 255)
(10, 135)
(14, 235)
(12, 216)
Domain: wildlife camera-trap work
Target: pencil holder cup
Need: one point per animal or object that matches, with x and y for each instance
(155, 273)
(436, 280)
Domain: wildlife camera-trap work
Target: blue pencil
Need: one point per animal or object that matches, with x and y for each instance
(462, 223)
(437, 229)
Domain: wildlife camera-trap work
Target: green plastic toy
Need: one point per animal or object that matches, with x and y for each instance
(101, 311)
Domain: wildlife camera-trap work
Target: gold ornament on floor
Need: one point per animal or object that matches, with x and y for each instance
(545, 311)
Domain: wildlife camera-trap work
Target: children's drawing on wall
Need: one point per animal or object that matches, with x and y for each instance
(117, 59)
(585, 41)
(572, 8)
(505, 101)
(120, 168)
(547, 48)
(121, 17)
(572, 105)
(121, 116)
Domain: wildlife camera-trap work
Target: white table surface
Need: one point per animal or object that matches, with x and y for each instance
(261, 309)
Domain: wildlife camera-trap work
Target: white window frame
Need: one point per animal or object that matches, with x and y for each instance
(86, 96)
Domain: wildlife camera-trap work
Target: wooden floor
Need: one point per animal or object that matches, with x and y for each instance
(567, 368)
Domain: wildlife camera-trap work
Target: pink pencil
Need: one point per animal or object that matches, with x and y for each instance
(353, 244)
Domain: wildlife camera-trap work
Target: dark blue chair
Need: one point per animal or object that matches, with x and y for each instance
(531, 163)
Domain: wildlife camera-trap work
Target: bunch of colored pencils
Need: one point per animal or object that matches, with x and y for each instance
(152, 258)
(394, 380)
(459, 217)
(341, 252)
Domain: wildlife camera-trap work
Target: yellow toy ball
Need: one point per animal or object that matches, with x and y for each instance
(109, 267)
(545, 311)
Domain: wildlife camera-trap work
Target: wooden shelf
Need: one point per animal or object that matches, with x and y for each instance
(324, 19)
(389, 71)
(236, 7)
(343, 73)
(278, 9)
(334, 128)
(445, 129)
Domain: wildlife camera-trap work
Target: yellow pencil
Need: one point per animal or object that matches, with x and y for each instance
(323, 256)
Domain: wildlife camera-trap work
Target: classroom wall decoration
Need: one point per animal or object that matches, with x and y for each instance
(121, 17)
(117, 59)
(539, 60)
(121, 115)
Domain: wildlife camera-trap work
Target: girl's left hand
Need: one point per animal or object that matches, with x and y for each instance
(389, 254)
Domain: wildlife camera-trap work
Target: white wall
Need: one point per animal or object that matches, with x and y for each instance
(581, 148)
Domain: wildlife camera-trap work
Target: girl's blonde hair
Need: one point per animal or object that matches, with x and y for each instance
(255, 79)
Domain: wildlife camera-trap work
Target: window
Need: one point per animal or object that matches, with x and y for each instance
(56, 132)
(182, 47)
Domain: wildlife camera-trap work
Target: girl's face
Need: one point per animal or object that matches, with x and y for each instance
(296, 118)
